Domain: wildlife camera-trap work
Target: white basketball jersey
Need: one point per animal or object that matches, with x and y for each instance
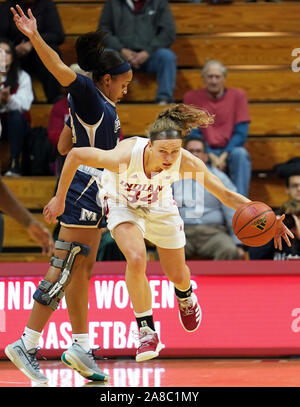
(134, 188)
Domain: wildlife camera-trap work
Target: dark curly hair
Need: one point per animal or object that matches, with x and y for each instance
(92, 57)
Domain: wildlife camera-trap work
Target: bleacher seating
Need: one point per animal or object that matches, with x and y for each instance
(34, 193)
(255, 41)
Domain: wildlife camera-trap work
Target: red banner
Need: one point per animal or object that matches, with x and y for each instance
(243, 315)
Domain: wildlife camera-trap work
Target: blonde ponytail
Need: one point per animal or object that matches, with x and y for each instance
(179, 117)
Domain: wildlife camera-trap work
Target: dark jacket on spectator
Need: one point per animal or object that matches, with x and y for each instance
(45, 12)
(151, 28)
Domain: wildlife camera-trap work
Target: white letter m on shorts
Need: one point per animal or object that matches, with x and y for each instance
(88, 215)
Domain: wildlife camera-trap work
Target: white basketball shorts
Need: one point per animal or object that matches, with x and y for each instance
(164, 229)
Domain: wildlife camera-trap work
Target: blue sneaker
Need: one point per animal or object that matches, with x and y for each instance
(25, 360)
(83, 362)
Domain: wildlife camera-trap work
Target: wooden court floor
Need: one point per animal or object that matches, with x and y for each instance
(201, 372)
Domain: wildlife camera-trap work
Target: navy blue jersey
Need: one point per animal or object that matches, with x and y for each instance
(94, 123)
(93, 117)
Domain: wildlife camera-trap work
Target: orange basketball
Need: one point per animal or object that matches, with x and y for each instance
(254, 224)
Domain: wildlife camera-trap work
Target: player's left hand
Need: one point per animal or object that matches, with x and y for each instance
(281, 231)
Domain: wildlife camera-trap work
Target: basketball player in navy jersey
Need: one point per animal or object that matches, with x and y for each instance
(139, 205)
(93, 122)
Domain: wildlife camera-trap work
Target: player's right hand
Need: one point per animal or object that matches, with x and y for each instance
(27, 25)
(282, 231)
(54, 208)
(42, 236)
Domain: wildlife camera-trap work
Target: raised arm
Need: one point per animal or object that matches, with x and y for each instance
(51, 60)
(113, 160)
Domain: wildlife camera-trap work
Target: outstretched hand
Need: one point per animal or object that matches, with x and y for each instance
(27, 25)
(282, 231)
(53, 209)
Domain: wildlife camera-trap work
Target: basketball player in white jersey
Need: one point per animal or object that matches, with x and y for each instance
(139, 205)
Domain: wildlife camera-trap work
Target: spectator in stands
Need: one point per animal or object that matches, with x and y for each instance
(51, 30)
(142, 31)
(293, 191)
(58, 117)
(207, 222)
(292, 220)
(10, 205)
(268, 1)
(225, 140)
(16, 97)
(214, 1)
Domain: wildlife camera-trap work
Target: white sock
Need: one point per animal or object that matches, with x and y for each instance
(82, 340)
(143, 314)
(30, 338)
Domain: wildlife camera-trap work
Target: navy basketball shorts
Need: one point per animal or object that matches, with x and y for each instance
(83, 205)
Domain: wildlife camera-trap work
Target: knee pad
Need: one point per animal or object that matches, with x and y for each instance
(49, 293)
(41, 295)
